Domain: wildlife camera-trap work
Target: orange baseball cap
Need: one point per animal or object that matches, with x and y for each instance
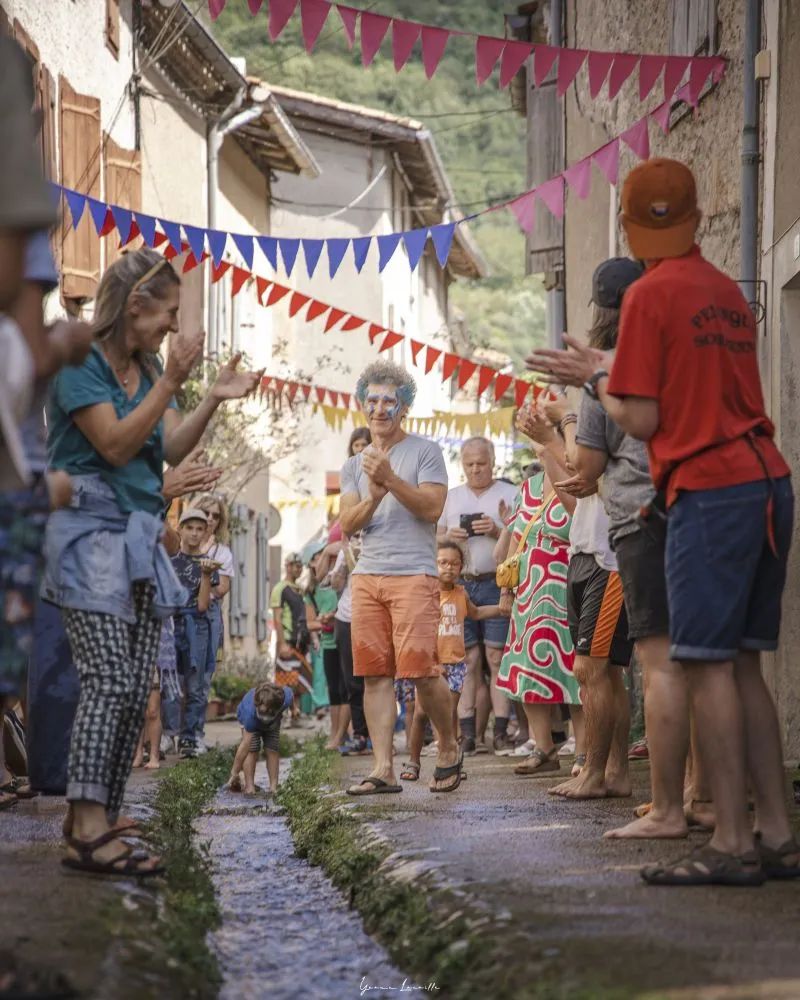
(659, 209)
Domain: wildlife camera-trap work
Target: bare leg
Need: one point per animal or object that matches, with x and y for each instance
(249, 769)
(235, 782)
(411, 711)
(667, 720)
(341, 730)
(381, 712)
(152, 725)
(698, 807)
(138, 758)
(618, 782)
(417, 737)
(472, 680)
(335, 711)
(501, 706)
(764, 752)
(538, 717)
(716, 702)
(433, 695)
(483, 710)
(273, 764)
(578, 721)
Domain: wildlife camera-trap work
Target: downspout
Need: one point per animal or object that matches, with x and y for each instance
(748, 235)
(556, 296)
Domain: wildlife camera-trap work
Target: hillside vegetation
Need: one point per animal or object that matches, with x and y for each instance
(481, 139)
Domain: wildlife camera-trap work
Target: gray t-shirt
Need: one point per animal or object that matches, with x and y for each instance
(395, 542)
(626, 485)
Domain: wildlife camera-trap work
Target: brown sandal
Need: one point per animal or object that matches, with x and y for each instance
(410, 772)
(708, 866)
(775, 860)
(126, 864)
(130, 829)
(538, 763)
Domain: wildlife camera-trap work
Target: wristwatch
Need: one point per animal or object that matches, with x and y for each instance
(590, 385)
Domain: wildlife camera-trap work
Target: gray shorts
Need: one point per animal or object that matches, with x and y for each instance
(269, 738)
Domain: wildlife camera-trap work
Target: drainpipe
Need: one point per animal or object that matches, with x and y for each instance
(748, 235)
(556, 299)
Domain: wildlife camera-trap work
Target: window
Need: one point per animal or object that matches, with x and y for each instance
(112, 26)
(241, 539)
(694, 27)
(123, 169)
(262, 577)
(80, 169)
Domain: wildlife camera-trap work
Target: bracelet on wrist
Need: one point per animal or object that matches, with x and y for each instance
(565, 421)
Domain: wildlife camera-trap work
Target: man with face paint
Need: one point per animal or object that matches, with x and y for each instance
(394, 492)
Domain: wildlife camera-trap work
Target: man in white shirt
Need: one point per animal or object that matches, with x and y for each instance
(473, 516)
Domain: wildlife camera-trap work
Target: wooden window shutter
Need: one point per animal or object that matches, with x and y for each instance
(80, 169)
(123, 169)
(112, 26)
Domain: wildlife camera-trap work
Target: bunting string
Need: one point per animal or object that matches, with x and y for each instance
(490, 51)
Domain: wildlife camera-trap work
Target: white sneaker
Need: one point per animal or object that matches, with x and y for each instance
(201, 748)
(524, 749)
(167, 744)
(568, 749)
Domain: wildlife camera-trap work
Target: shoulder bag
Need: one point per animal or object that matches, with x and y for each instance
(507, 573)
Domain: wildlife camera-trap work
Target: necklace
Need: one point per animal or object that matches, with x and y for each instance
(122, 372)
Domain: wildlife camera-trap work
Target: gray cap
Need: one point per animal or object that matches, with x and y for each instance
(193, 514)
(612, 278)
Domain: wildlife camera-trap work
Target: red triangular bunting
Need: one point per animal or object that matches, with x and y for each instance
(316, 309)
(521, 390)
(277, 292)
(449, 366)
(649, 71)
(513, 59)
(373, 32)
(487, 52)
(261, 288)
(320, 394)
(353, 323)
(569, 63)
(306, 389)
(434, 42)
(333, 318)
(333, 397)
(543, 58)
(219, 272)
(279, 384)
(134, 232)
(297, 301)
(108, 225)
(292, 390)
(159, 238)
(346, 399)
(465, 372)
(484, 379)
(240, 276)
(674, 70)
(279, 13)
(599, 65)
(416, 347)
(501, 386)
(404, 37)
(431, 357)
(624, 65)
(391, 339)
(190, 263)
(349, 17)
(313, 15)
(374, 330)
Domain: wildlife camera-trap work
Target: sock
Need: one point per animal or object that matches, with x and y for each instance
(500, 725)
(558, 737)
(467, 725)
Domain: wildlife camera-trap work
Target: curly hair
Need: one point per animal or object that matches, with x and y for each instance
(387, 373)
(268, 698)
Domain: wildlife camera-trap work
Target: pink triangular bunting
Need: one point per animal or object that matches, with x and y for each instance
(599, 65)
(607, 159)
(434, 42)
(313, 15)
(544, 57)
(373, 32)
(215, 8)
(569, 64)
(513, 59)
(279, 13)
(624, 64)
(552, 194)
(650, 69)
(674, 71)
(404, 37)
(661, 115)
(637, 138)
(349, 16)
(487, 52)
(579, 177)
(700, 71)
(524, 208)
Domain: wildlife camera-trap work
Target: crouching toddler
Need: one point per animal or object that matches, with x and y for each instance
(259, 714)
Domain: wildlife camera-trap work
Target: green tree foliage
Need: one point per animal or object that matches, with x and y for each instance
(481, 138)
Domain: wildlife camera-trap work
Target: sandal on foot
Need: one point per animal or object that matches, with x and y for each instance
(539, 762)
(126, 864)
(410, 772)
(708, 866)
(373, 786)
(443, 773)
(774, 860)
(7, 800)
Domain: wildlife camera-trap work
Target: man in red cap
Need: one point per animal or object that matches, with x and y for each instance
(685, 380)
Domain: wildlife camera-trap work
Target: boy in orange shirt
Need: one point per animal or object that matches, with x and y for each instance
(455, 607)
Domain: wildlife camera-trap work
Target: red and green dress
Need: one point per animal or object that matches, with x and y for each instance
(537, 665)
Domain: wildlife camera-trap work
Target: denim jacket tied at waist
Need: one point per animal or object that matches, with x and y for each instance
(95, 553)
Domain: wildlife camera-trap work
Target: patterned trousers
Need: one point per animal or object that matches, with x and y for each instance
(115, 662)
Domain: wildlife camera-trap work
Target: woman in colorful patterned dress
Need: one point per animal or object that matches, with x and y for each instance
(536, 668)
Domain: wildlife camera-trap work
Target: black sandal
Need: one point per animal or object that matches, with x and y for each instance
(128, 864)
(443, 773)
(708, 866)
(774, 860)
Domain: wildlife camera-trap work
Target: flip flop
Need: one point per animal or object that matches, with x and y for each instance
(373, 786)
(443, 773)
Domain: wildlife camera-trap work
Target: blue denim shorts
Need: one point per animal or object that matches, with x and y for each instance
(492, 631)
(724, 582)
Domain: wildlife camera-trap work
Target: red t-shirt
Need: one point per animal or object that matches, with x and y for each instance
(687, 338)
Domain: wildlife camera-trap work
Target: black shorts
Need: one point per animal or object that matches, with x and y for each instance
(640, 558)
(269, 737)
(596, 611)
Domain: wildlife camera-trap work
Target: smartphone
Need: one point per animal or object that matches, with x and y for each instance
(465, 523)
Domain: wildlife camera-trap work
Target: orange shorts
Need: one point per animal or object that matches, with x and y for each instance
(395, 626)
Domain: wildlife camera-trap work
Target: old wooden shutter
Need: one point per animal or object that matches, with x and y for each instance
(112, 26)
(80, 169)
(694, 27)
(123, 169)
(262, 577)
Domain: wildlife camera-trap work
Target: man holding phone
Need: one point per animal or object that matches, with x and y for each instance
(473, 517)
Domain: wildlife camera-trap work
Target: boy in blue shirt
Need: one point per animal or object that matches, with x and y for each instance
(259, 714)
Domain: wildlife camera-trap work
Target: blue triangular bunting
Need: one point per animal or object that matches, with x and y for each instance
(244, 244)
(336, 251)
(147, 227)
(386, 248)
(360, 250)
(312, 250)
(77, 203)
(415, 241)
(123, 220)
(173, 232)
(99, 210)
(196, 239)
(442, 237)
(289, 250)
(269, 247)
(217, 242)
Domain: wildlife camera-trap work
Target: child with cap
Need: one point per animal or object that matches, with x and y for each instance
(193, 646)
(259, 714)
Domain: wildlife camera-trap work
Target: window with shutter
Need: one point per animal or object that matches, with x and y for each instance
(262, 577)
(694, 27)
(123, 170)
(240, 546)
(112, 26)
(80, 169)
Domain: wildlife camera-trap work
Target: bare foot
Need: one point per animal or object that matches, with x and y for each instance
(618, 787)
(235, 783)
(650, 827)
(701, 813)
(137, 761)
(249, 790)
(587, 785)
(152, 765)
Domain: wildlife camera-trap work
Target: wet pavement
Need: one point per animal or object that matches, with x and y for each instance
(286, 931)
(568, 907)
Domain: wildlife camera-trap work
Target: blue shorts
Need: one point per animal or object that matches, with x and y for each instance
(454, 674)
(405, 691)
(491, 632)
(724, 582)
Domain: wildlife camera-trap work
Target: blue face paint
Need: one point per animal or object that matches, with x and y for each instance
(391, 405)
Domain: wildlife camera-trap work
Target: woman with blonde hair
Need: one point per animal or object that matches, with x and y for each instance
(112, 423)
